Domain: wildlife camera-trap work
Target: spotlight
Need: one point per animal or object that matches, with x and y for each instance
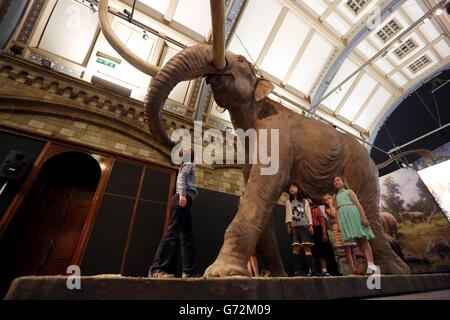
(438, 12)
(338, 90)
(397, 44)
(426, 20)
(128, 14)
(145, 35)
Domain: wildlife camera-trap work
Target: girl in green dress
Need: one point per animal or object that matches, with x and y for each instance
(353, 222)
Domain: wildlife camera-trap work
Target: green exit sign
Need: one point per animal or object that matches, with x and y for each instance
(106, 62)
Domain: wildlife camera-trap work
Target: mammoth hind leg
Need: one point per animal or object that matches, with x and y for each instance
(267, 248)
(365, 183)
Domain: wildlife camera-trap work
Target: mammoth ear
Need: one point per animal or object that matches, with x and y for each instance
(263, 88)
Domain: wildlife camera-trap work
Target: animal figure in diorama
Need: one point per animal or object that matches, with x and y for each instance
(413, 216)
(311, 153)
(390, 228)
(389, 223)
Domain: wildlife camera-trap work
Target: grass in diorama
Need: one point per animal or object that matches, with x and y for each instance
(426, 245)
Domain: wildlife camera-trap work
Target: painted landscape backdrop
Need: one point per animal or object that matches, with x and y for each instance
(421, 235)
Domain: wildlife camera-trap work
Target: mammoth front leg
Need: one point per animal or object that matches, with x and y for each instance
(241, 236)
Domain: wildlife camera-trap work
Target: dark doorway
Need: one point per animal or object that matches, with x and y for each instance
(44, 234)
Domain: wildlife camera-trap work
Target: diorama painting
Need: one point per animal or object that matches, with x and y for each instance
(437, 180)
(415, 215)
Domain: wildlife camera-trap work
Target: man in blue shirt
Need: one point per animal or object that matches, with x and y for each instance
(180, 225)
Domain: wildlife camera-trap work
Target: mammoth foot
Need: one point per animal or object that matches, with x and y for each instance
(276, 273)
(389, 262)
(393, 266)
(274, 270)
(223, 268)
(273, 267)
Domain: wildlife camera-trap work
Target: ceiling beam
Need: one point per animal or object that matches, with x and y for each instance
(171, 10)
(416, 55)
(298, 56)
(349, 92)
(387, 57)
(339, 43)
(331, 7)
(159, 17)
(376, 125)
(373, 71)
(345, 52)
(345, 18)
(443, 20)
(366, 103)
(314, 22)
(234, 12)
(271, 37)
(419, 32)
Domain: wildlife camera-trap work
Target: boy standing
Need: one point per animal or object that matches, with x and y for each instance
(180, 226)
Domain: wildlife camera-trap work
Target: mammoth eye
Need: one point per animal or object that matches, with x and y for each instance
(240, 59)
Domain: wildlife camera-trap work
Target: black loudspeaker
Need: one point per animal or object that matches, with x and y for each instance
(15, 165)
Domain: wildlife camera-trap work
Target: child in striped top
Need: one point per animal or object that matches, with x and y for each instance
(347, 246)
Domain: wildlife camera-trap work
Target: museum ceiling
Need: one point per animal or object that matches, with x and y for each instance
(307, 48)
(421, 121)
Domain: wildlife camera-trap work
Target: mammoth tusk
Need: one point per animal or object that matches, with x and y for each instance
(120, 47)
(218, 26)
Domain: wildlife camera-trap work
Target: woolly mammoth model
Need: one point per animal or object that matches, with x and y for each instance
(310, 153)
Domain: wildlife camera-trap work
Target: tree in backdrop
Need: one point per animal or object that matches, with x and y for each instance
(424, 202)
(392, 199)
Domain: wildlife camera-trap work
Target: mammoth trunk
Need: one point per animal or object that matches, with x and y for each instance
(188, 64)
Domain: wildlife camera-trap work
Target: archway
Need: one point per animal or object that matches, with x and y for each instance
(45, 233)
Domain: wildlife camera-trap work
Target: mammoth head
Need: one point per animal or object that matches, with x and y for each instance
(238, 84)
(234, 87)
(232, 77)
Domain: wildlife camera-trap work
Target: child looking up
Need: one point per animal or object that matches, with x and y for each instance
(353, 222)
(299, 225)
